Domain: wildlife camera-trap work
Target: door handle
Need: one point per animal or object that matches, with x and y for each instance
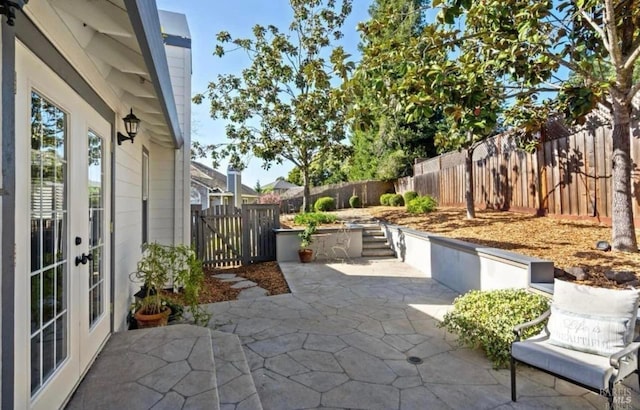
(83, 259)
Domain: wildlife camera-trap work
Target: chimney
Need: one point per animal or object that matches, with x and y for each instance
(234, 185)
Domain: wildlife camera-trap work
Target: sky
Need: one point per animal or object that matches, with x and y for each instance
(206, 18)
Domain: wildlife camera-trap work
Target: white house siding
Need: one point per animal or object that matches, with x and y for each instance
(128, 225)
(179, 60)
(161, 194)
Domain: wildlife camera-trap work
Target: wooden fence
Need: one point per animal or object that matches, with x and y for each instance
(228, 236)
(568, 175)
(368, 191)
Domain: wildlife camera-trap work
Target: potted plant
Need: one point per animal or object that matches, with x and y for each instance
(164, 267)
(306, 239)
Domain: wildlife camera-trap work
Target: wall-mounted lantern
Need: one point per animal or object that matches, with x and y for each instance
(6, 8)
(131, 123)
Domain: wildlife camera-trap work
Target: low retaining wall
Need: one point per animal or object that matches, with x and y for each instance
(463, 266)
(288, 243)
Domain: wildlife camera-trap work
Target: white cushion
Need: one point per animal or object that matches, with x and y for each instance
(592, 334)
(597, 304)
(589, 369)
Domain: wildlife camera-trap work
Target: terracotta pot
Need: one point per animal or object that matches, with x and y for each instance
(305, 255)
(155, 320)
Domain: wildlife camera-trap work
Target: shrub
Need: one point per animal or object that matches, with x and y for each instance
(384, 199)
(409, 195)
(316, 218)
(354, 202)
(486, 320)
(422, 205)
(326, 203)
(396, 200)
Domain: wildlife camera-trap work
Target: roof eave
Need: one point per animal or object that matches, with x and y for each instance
(146, 25)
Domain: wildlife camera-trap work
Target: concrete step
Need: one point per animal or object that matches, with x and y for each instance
(372, 232)
(374, 239)
(170, 367)
(377, 252)
(235, 383)
(376, 245)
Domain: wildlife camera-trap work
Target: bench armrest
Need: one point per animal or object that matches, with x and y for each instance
(615, 358)
(517, 330)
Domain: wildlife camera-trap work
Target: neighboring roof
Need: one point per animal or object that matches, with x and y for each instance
(280, 184)
(175, 29)
(215, 180)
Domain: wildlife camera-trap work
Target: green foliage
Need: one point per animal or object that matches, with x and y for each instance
(409, 195)
(384, 199)
(317, 218)
(421, 205)
(354, 202)
(282, 106)
(306, 236)
(325, 203)
(161, 265)
(385, 143)
(486, 320)
(396, 200)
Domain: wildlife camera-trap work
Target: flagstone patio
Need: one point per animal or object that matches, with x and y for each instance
(343, 339)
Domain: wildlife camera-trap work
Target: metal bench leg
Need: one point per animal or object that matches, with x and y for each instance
(513, 379)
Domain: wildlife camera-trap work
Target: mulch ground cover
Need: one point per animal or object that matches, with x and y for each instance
(568, 243)
(267, 275)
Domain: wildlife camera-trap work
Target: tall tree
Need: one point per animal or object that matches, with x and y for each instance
(281, 107)
(386, 146)
(596, 40)
(437, 80)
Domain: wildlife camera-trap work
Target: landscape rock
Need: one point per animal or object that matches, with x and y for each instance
(578, 273)
(633, 284)
(622, 276)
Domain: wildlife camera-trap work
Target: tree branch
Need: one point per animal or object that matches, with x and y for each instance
(631, 60)
(597, 28)
(610, 26)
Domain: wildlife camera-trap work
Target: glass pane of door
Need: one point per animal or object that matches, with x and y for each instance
(49, 267)
(96, 224)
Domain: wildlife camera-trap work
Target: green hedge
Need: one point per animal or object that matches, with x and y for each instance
(314, 217)
(354, 202)
(325, 203)
(396, 200)
(409, 195)
(422, 205)
(384, 199)
(486, 319)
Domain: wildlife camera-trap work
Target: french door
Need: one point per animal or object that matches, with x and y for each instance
(62, 254)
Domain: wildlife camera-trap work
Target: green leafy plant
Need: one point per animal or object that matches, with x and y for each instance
(486, 319)
(318, 218)
(384, 199)
(409, 195)
(326, 203)
(422, 205)
(162, 266)
(306, 235)
(396, 200)
(354, 202)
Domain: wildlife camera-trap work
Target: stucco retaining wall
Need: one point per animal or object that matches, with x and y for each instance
(464, 266)
(288, 243)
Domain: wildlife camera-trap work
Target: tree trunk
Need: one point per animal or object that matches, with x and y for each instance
(306, 192)
(623, 235)
(468, 178)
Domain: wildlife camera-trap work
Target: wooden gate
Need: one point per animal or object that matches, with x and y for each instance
(228, 236)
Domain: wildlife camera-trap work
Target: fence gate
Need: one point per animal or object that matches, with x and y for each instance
(228, 236)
